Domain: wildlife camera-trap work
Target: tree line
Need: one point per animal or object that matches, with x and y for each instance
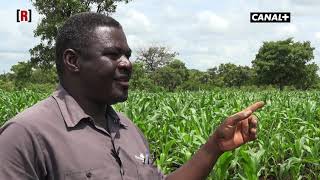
(278, 64)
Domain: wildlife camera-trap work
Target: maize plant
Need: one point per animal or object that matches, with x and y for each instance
(177, 124)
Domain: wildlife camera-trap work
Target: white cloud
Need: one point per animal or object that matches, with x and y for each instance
(135, 42)
(203, 61)
(286, 30)
(208, 21)
(305, 8)
(317, 35)
(171, 12)
(135, 22)
(306, 2)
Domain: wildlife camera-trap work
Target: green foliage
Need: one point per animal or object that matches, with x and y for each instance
(44, 87)
(197, 80)
(140, 79)
(21, 73)
(310, 80)
(176, 124)
(233, 75)
(13, 102)
(285, 63)
(44, 76)
(6, 85)
(172, 75)
(25, 76)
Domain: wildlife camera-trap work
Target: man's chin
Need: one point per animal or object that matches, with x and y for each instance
(121, 97)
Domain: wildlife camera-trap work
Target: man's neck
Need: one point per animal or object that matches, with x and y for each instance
(95, 110)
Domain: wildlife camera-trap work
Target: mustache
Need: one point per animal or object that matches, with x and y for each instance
(124, 75)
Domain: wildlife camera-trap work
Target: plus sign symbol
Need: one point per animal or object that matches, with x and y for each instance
(286, 17)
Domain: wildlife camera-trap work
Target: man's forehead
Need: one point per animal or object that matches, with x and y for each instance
(109, 32)
(110, 36)
(106, 29)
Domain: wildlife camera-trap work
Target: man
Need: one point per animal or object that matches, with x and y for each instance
(75, 133)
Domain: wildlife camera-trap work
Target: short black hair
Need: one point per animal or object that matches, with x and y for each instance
(76, 32)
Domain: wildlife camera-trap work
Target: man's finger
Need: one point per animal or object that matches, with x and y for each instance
(255, 106)
(253, 122)
(252, 134)
(253, 128)
(234, 119)
(245, 129)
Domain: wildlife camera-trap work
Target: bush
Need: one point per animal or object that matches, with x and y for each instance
(6, 85)
(41, 88)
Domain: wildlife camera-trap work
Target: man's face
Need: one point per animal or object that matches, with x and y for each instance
(105, 68)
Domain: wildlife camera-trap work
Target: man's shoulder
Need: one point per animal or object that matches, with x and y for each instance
(40, 112)
(124, 119)
(133, 127)
(127, 121)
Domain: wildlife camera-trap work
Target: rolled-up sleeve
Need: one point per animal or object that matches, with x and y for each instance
(21, 156)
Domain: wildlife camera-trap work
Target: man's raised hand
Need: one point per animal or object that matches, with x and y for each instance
(232, 133)
(237, 129)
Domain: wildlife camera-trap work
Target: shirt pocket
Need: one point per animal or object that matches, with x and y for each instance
(148, 172)
(93, 174)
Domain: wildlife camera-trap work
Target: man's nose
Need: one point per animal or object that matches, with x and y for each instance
(125, 63)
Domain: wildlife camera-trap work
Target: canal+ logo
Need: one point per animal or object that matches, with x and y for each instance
(270, 17)
(23, 15)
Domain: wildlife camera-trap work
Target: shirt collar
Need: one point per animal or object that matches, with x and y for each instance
(72, 112)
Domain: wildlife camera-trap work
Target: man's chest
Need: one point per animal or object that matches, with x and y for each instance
(86, 153)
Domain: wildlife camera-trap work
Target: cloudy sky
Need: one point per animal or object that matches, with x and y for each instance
(204, 32)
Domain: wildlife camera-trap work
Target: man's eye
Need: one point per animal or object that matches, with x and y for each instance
(128, 56)
(113, 55)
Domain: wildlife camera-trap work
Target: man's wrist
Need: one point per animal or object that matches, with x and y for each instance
(211, 146)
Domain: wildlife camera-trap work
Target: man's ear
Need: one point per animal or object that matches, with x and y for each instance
(71, 60)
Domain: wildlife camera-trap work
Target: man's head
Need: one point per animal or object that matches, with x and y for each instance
(92, 55)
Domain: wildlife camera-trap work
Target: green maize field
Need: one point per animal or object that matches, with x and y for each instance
(176, 124)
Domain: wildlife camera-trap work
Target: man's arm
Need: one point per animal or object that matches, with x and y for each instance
(20, 153)
(236, 130)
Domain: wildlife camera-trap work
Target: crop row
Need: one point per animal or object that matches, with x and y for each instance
(176, 124)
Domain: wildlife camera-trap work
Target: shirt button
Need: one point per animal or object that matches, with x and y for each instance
(89, 174)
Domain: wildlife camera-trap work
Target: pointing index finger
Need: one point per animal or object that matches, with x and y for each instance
(232, 120)
(255, 106)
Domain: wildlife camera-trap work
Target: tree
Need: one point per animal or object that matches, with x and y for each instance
(172, 75)
(155, 57)
(140, 78)
(233, 75)
(41, 76)
(24, 75)
(197, 80)
(213, 72)
(284, 63)
(310, 77)
(21, 74)
(54, 15)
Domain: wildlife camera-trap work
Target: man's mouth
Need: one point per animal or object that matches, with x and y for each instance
(123, 81)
